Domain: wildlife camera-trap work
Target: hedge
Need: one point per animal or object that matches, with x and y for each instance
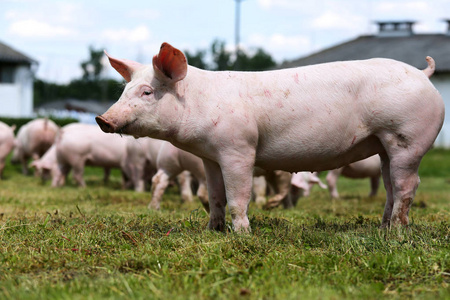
(19, 122)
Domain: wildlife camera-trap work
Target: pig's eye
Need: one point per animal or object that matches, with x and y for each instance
(147, 93)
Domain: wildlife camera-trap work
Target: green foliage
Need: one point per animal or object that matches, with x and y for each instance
(197, 59)
(101, 242)
(221, 57)
(19, 122)
(105, 89)
(92, 68)
(223, 60)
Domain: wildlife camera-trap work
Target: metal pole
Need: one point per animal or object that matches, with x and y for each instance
(237, 31)
(238, 16)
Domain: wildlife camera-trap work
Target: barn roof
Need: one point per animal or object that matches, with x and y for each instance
(10, 55)
(409, 48)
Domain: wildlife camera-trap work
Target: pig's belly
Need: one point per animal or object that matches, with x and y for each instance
(297, 157)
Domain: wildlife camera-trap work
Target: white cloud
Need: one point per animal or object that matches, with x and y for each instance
(281, 46)
(338, 20)
(395, 7)
(286, 4)
(138, 34)
(36, 29)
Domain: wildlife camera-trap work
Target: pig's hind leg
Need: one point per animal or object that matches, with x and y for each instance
(399, 166)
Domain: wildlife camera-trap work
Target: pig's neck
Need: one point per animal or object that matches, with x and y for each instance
(198, 95)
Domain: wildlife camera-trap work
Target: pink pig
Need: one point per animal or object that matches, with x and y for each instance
(368, 167)
(33, 140)
(311, 118)
(79, 144)
(6, 144)
(139, 162)
(47, 167)
(171, 162)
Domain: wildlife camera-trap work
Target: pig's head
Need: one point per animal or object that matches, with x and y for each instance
(18, 152)
(42, 169)
(149, 102)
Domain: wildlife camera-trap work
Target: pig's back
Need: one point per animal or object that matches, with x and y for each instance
(88, 142)
(327, 115)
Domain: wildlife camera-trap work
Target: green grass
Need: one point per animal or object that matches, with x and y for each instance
(102, 243)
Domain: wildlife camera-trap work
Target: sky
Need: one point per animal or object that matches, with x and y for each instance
(58, 34)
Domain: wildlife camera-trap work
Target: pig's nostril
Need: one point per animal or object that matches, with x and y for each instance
(104, 124)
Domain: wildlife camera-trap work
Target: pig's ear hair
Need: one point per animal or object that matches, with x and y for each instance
(170, 62)
(125, 67)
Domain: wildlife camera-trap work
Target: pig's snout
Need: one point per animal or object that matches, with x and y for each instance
(104, 124)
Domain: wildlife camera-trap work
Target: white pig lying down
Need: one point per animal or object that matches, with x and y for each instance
(33, 140)
(312, 118)
(6, 144)
(171, 162)
(369, 167)
(79, 144)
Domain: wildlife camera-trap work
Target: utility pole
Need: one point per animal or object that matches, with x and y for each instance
(237, 31)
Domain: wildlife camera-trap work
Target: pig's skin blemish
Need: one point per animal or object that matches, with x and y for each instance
(354, 138)
(287, 93)
(267, 93)
(280, 104)
(215, 121)
(296, 78)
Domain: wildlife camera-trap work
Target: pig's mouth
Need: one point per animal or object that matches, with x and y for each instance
(124, 127)
(109, 127)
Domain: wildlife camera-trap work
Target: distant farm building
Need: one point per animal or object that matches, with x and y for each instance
(16, 83)
(398, 41)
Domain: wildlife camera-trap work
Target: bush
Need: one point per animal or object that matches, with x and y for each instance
(19, 122)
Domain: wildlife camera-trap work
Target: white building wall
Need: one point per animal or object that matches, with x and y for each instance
(10, 100)
(16, 99)
(442, 84)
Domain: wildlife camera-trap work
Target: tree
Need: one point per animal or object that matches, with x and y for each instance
(93, 67)
(221, 57)
(197, 59)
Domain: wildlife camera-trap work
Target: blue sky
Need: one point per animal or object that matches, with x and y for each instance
(59, 33)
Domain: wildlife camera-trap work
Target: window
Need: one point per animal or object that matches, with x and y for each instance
(7, 73)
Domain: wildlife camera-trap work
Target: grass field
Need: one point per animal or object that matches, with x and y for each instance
(102, 243)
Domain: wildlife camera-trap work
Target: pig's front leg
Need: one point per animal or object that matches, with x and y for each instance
(332, 178)
(237, 172)
(216, 195)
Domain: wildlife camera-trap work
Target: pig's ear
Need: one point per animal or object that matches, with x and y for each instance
(125, 67)
(170, 62)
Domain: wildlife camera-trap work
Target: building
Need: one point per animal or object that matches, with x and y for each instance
(398, 41)
(16, 83)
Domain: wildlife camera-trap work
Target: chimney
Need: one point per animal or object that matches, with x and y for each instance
(396, 28)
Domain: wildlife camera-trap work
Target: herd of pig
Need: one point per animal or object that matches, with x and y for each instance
(56, 151)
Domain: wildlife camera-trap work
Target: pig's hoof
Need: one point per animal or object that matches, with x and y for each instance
(220, 226)
(153, 206)
(270, 205)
